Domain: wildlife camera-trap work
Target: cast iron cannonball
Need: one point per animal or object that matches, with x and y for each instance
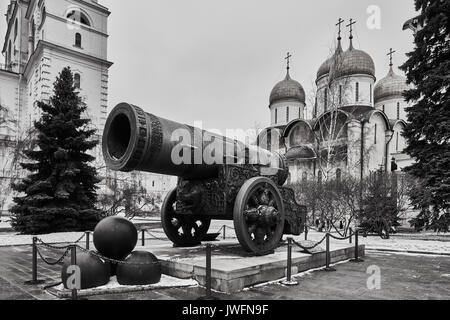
(147, 269)
(115, 237)
(93, 271)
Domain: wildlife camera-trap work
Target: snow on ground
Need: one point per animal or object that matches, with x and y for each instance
(397, 243)
(424, 242)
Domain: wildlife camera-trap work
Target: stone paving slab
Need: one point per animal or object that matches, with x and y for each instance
(233, 269)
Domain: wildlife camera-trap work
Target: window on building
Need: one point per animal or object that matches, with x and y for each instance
(325, 99)
(153, 184)
(8, 58)
(384, 108)
(398, 110)
(299, 113)
(338, 174)
(371, 93)
(77, 81)
(276, 116)
(15, 29)
(78, 40)
(315, 109)
(78, 16)
(396, 148)
(375, 134)
(340, 94)
(357, 91)
(287, 114)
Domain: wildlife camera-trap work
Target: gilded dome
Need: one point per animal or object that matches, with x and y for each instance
(391, 86)
(288, 89)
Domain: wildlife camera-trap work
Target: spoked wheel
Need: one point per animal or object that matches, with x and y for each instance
(259, 216)
(182, 230)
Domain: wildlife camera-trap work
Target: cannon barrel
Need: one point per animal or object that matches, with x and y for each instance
(136, 140)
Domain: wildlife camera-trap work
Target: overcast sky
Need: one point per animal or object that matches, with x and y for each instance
(217, 61)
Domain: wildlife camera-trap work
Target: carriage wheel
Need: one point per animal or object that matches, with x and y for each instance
(182, 230)
(259, 216)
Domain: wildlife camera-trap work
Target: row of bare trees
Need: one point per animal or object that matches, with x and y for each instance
(377, 204)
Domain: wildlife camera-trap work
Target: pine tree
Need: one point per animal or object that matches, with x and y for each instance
(60, 191)
(428, 130)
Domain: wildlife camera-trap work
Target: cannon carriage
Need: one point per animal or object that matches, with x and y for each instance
(245, 186)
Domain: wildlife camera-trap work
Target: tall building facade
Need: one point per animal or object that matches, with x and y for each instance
(43, 37)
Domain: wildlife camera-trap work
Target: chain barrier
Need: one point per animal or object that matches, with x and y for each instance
(154, 237)
(81, 238)
(60, 260)
(341, 238)
(309, 248)
(51, 246)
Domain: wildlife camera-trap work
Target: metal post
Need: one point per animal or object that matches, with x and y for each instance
(357, 258)
(224, 232)
(143, 237)
(306, 233)
(288, 281)
(88, 240)
(34, 262)
(327, 254)
(73, 262)
(208, 275)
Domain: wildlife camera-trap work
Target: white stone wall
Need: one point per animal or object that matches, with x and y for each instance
(390, 107)
(338, 98)
(375, 142)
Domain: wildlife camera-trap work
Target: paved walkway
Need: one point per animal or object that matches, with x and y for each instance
(402, 277)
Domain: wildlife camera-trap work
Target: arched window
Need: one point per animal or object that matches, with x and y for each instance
(15, 29)
(78, 16)
(77, 81)
(384, 109)
(78, 40)
(325, 99)
(338, 174)
(8, 58)
(287, 114)
(398, 110)
(276, 116)
(375, 134)
(357, 91)
(396, 148)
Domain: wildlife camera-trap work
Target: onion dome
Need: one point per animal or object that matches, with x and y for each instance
(391, 86)
(288, 89)
(326, 66)
(353, 62)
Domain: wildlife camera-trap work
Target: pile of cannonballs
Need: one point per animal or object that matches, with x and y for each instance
(115, 238)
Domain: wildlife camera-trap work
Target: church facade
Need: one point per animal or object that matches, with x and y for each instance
(43, 37)
(356, 122)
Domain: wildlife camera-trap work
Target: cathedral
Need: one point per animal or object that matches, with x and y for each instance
(42, 37)
(355, 124)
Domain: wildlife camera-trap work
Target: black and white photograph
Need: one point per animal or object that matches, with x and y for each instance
(224, 155)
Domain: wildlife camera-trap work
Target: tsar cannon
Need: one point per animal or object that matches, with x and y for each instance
(218, 178)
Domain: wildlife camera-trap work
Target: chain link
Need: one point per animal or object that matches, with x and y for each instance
(309, 248)
(50, 246)
(53, 263)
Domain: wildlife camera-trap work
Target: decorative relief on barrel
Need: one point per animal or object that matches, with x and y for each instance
(156, 137)
(136, 158)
